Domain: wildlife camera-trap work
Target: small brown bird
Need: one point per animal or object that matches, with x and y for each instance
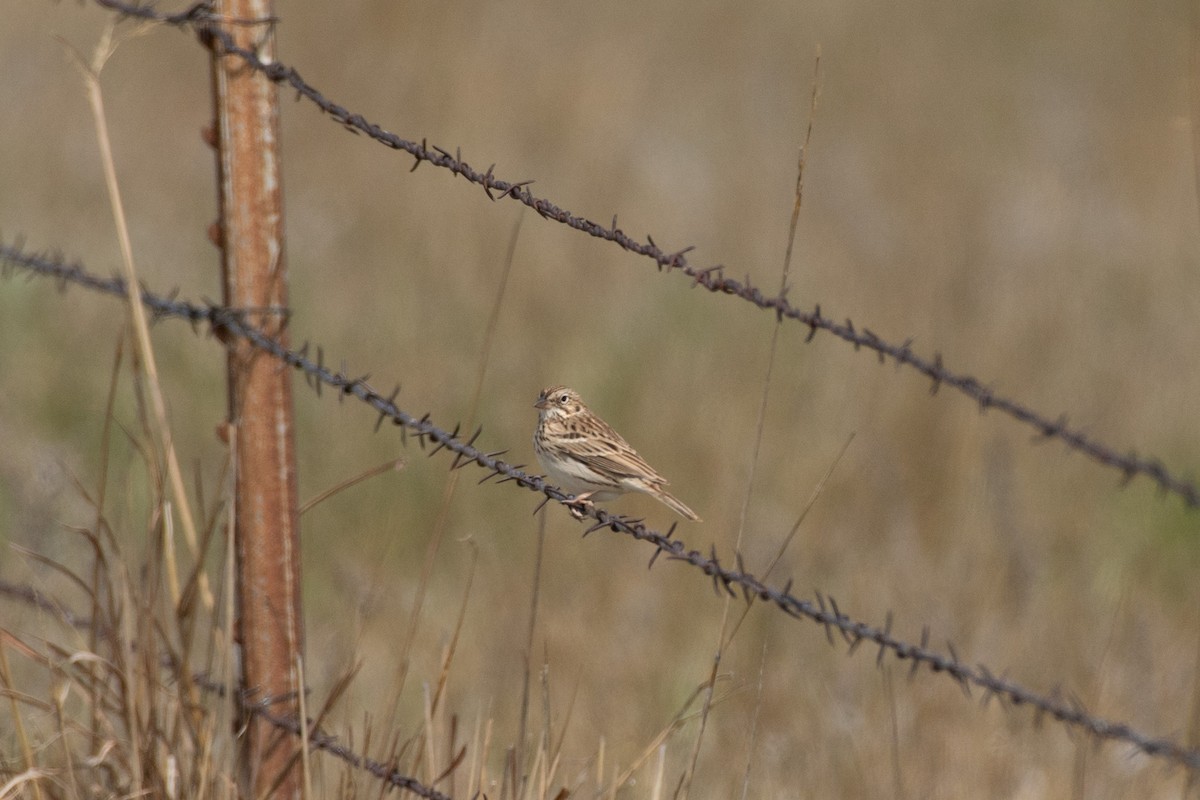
(585, 456)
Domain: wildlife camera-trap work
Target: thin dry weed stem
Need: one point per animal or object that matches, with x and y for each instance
(752, 738)
(760, 424)
(391, 465)
(27, 756)
(709, 689)
(544, 738)
(818, 490)
(436, 711)
(302, 702)
(17, 783)
(1096, 693)
(99, 521)
(91, 73)
(889, 691)
(556, 748)
(656, 788)
(443, 516)
(452, 647)
(531, 629)
(681, 717)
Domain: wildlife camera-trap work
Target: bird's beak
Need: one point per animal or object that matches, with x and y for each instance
(542, 404)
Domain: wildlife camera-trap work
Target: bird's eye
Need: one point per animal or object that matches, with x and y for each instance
(562, 398)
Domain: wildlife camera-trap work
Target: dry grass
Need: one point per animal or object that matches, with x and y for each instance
(1012, 187)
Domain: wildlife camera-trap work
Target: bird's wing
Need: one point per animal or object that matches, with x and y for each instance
(611, 453)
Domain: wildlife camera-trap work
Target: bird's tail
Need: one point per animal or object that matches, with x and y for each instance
(676, 505)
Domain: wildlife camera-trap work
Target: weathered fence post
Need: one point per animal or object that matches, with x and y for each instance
(270, 624)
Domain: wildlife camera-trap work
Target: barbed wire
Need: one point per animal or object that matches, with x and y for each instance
(261, 707)
(822, 610)
(201, 18)
(43, 602)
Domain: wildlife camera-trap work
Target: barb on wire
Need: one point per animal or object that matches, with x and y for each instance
(201, 18)
(824, 610)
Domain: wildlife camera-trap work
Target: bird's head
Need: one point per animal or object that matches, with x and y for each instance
(559, 402)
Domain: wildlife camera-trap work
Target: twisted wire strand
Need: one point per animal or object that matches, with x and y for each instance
(201, 18)
(261, 707)
(822, 610)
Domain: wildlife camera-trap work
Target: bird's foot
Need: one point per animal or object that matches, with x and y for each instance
(580, 505)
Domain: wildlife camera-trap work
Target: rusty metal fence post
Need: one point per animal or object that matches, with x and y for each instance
(266, 521)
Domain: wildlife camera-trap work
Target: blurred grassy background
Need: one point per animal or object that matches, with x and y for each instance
(1013, 185)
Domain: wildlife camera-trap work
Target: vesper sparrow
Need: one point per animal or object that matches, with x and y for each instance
(585, 456)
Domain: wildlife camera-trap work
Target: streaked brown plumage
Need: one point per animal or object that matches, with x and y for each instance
(582, 454)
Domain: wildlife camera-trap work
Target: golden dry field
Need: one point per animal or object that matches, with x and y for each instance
(1011, 185)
